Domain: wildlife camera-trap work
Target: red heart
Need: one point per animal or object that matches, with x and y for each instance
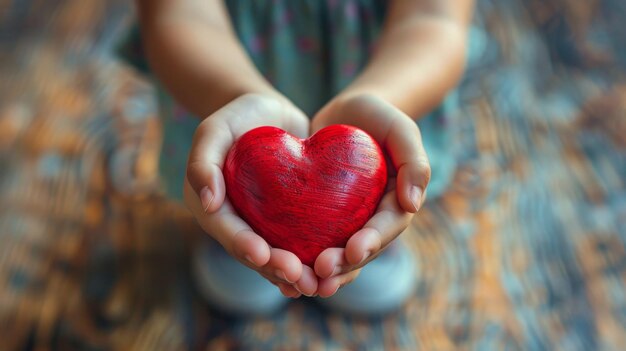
(305, 195)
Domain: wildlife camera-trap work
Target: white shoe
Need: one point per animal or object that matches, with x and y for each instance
(383, 286)
(230, 286)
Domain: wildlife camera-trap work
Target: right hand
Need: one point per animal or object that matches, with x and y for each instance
(205, 192)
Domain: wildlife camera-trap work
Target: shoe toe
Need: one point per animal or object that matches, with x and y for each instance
(232, 287)
(383, 286)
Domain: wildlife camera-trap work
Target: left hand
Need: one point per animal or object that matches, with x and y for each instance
(409, 174)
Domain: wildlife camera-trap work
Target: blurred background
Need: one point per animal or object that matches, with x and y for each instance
(526, 251)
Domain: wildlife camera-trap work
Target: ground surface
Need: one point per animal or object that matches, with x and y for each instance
(525, 252)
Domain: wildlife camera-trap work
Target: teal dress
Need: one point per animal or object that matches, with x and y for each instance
(309, 50)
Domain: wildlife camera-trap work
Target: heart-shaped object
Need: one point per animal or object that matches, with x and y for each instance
(305, 195)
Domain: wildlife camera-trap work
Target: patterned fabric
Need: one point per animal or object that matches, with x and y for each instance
(309, 50)
(526, 250)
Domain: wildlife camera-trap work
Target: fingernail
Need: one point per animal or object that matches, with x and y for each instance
(300, 291)
(366, 255)
(281, 275)
(336, 271)
(250, 259)
(337, 289)
(416, 197)
(206, 198)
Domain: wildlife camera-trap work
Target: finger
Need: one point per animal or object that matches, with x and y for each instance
(401, 139)
(404, 145)
(389, 221)
(211, 142)
(284, 265)
(307, 285)
(250, 248)
(288, 290)
(233, 233)
(330, 262)
(328, 287)
(217, 133)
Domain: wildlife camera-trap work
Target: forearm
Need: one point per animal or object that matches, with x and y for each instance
(194, 52)
(420, 55)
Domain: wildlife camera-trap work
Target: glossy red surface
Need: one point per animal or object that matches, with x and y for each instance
(305, 195)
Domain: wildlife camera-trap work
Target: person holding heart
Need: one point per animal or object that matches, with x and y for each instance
(230, 66)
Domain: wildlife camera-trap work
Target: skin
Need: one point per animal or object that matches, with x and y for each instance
(419, 58)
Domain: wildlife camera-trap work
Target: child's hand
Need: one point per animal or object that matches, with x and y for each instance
(205, 192)
(409, 173)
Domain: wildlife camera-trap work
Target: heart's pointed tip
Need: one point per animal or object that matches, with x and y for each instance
(307, 258)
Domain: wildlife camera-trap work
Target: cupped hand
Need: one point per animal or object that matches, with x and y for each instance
(409, 174)
(205, 192)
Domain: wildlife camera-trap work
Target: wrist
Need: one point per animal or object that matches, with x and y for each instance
(217, 98)
(414, 78)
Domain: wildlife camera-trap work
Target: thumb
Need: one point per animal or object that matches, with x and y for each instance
(404, 144)
(206, 157)
(208, 183)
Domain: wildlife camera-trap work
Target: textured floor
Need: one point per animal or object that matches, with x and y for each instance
(525, 252)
